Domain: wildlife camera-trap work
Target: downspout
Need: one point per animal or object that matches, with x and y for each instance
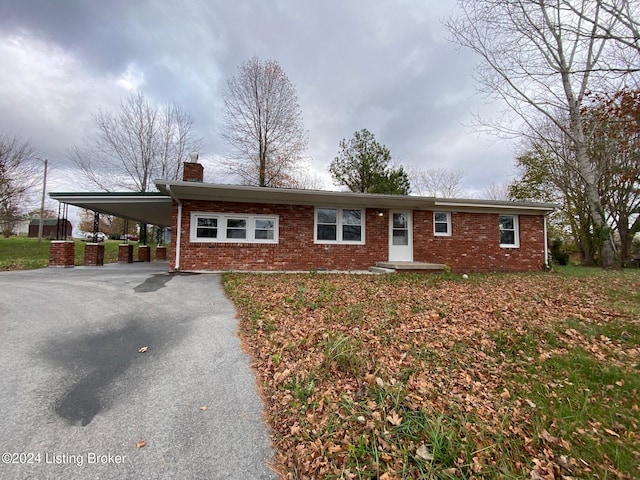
(545, 243)
(179, 233)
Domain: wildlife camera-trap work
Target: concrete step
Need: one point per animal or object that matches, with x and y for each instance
(412, 266)
(381, 270)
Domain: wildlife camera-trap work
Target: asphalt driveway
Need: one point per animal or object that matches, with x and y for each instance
(77, 395)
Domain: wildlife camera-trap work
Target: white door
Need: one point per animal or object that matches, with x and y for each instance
(400, 238)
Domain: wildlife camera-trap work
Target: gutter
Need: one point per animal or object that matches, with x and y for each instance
(546, 243)
(179, 233)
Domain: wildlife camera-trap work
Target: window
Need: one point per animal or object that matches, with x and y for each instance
(264, 229)
(400, 229)
(509, 237)
(207, 227)
(442, 224)
(351, 225)
(339, 225)
(222, 227)
(236, 228)
(327, 224)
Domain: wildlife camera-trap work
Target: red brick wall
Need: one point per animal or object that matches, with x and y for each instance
(62, 253)
(125, 253)
(192, 172)
(295, 250)
(474, 245)
(94, 254)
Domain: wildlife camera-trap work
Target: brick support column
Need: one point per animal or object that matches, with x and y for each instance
(125, 253)
(144, 253)
(62, 253)
(94, 254)
(161, 252)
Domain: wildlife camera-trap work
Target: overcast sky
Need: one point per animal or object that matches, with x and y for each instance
(382, 65)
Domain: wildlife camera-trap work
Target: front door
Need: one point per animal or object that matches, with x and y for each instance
(400, 238)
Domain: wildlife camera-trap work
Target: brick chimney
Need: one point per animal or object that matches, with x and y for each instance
(193, 172)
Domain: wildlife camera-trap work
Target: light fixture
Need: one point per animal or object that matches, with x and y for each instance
(380, 212)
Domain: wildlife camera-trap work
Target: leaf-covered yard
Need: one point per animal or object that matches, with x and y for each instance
(496, 376)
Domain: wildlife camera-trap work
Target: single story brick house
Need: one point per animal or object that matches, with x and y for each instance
(231, 227)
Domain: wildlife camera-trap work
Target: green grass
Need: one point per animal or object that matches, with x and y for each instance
(589, 272)
(20, 253)
(590, 405)
(343, 352)
(23, 253)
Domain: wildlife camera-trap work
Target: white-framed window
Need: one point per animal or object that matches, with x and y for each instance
(339, 225)
(442, 224)
(231, 227)
(509, 234)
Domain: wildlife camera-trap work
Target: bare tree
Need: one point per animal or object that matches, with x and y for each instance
(18, 175)
(437, 182)
(542, 58)
(137, 144)
(496, 191)
(627, 15)
(262, 123)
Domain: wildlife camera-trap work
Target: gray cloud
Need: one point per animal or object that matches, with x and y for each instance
(384, 66)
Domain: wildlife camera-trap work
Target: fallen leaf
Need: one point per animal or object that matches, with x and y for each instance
(141, 443)
(335, 448)
(204, 408)
(611, 432)
(386, 458)
(394, 419)
(142, 349)
(505, 395)
(424, 453)
(548, 437)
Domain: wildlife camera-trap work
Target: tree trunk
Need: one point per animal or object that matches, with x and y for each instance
(625, 239)
(601, 230)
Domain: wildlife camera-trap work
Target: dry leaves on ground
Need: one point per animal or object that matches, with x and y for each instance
(363, 375)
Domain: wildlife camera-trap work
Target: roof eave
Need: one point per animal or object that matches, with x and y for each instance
(286, 196)
(252, 194)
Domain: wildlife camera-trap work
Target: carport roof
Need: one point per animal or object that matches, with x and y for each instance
(151, 207)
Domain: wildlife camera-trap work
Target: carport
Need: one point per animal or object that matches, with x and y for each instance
(151, 208)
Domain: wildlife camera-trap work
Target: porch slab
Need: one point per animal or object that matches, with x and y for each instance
(412, 266)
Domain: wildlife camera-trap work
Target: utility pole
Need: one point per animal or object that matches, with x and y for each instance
(44, 189)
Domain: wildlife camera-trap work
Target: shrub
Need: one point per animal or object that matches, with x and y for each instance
(558, 253)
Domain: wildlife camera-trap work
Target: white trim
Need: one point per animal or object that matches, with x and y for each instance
(339, 224)
(442, 234)
(222, 219)
(516, 231)
(179, 226)
(399, 253)
(545, 242)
